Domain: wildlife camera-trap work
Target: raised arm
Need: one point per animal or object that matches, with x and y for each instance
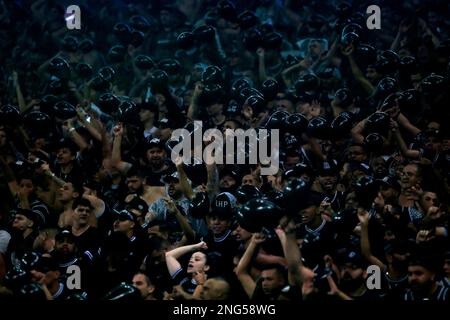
(193, 111)
(363, 217)
(184, 183)
(291, 253)
(242, 273)
(262, 74)
(357, 131)
(116, 158)
(172, 256)
(405, 123)
(20, 98)
(401, 143)
(359, 76)
(184, 224)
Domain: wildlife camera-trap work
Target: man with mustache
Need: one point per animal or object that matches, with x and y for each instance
(422, 280)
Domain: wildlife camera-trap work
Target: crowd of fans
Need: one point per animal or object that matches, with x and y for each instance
(93, 207)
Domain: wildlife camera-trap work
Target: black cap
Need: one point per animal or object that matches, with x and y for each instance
(328, 168)
(361, 166)
(155, 142)
(65, 234)
(171, 177)
(166, 123)
(124, 215)
(224, 205)
(228, 172)
(354, 258)
(29, 214)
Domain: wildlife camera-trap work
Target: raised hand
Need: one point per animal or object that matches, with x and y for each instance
(118, 130)
(201, 246)
(363, 217)
(258, 238)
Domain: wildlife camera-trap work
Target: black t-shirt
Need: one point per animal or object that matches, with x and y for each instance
(89, 241)
(181, 277)
(18, 246)
(317, 243)
(393, 288)
(440, 294)
(227, 246)
(62, 293)
(76, 175)
(155, 178)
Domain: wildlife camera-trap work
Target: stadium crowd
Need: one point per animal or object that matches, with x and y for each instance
(92, 206)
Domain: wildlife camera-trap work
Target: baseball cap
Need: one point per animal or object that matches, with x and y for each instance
(228, 172)
(65, 234)
(390, 181)
(29, 214)
(155, 142)
(124, 215)
(173, 177)
(166, 123)
(328, 168)
(224, 205)
(360, 166)
(352, 257)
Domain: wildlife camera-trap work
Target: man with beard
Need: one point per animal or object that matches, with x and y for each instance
(353, 275)
(66, 254)
(172, 209)
(157, 165)
(395, 273)
(23, 233)
(136, 183)
(326, 184)
(422, 280)
(410, 182)
(228, 180)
